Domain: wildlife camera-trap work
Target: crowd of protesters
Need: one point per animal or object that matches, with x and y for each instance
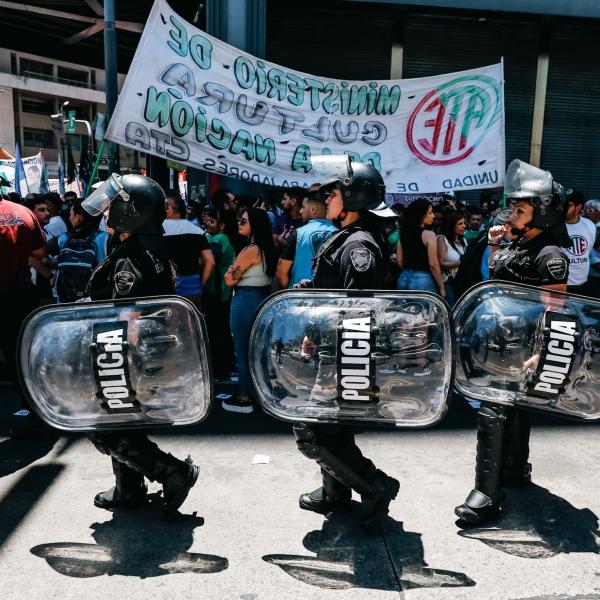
(230, 252)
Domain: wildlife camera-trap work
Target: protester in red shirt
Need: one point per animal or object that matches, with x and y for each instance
(21, 236)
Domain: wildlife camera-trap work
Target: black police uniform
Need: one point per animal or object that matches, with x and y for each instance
(134, 270)
(503, 431)
(350, 259)
(131, 271)
(537, 261)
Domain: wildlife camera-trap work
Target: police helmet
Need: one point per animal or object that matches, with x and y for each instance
(136, 204)
(360, 183)
(526, 182)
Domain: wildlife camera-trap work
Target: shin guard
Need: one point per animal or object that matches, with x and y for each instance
(310, 446)
(516, 470)
(490, 432)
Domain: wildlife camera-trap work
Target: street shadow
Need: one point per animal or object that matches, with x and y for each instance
(18, 454)
(349, 556)
(23, 495)
(136, 543)
(535, 523)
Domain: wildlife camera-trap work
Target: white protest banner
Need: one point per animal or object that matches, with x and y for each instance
(32, 165)
(193, 99)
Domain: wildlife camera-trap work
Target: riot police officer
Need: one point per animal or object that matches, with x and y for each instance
(351, 258)
(137, 266)
(534, 257)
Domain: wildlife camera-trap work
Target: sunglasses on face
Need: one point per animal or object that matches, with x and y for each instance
(242, 221)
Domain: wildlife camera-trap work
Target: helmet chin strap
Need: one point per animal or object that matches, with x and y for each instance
(522, 231)
(343, 214)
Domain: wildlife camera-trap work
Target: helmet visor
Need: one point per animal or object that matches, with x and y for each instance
(99, 200)
(526, 181)
(333, 168)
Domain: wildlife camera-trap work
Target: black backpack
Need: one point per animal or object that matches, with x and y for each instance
(469, 270)
(76, 261)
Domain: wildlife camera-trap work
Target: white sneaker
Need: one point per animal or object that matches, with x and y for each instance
(236, 405)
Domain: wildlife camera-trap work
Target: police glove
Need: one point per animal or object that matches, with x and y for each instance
(303, 283)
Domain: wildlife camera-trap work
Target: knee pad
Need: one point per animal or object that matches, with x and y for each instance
(490, 419)
(307, 442)
(100, 442)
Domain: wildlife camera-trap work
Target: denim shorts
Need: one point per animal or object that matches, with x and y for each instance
(417, 280)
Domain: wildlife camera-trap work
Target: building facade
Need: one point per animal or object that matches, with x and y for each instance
(32, 88)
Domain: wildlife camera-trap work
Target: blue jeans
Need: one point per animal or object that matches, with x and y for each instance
(417, 280)
(450, 298)
(244, 304)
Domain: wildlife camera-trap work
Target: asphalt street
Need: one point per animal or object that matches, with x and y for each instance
(241, 534)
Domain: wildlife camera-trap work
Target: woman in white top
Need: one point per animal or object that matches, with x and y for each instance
(450, 248)
(251, 274)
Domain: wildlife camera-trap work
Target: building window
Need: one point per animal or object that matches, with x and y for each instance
(38, 138)
(73, 76)
(38, 106)
(37, 69)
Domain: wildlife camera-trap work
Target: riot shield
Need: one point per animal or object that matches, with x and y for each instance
(116, 364)
(526, 346)
(347, 356)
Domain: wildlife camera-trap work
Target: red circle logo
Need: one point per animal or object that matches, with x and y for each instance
(450, 121)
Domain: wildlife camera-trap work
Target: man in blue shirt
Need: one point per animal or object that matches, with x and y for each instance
(295, 262)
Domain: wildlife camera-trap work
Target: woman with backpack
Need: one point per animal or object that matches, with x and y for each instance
(76, 254)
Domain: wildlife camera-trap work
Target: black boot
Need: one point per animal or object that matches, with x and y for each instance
(146, 458)
(376, 503)
(483, 502)
(344, 468)
(331, 497)
(318, 501)
(129, 490)
(177, 478)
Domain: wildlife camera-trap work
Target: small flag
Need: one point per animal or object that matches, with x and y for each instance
(20, 174)
(44, 185)
(85, 167)
(100, 127)
(71, 169)
(61, 175)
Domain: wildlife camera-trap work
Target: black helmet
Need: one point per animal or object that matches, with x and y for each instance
(360, 183)
(526, 182)
(136, 204)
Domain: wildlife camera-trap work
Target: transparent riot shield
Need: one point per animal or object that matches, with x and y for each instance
(117, 364)
(346, 356)
(526, 346)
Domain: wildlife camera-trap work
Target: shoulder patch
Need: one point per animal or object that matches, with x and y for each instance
(361, 259)
(557, 267)
(124, 281)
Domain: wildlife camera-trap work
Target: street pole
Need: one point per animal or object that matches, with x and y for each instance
(110, 70)
(88, 190)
